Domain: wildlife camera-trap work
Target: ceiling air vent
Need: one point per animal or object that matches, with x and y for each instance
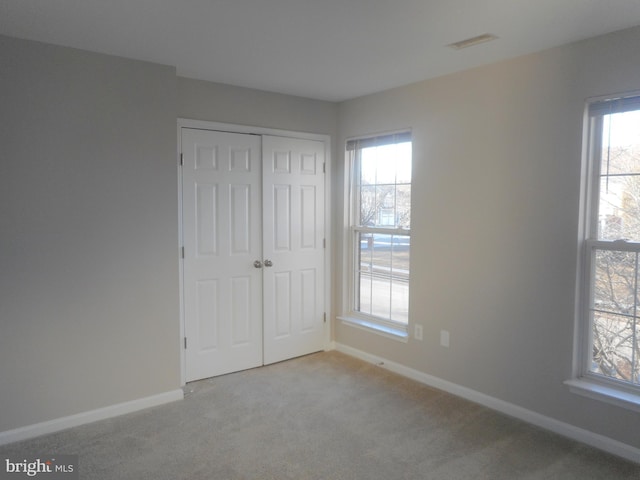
(470, 42)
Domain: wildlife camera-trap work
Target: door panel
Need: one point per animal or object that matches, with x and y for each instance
(293, 223)
(222, 238)
(206, 221)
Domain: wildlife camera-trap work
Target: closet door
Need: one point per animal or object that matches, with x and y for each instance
(293, 247)
(222, 228)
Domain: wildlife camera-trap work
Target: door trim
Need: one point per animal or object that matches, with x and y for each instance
(253, 130)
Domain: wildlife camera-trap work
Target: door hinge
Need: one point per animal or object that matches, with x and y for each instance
(324, 243)
(324, 317)
(324, 167)
(181, 160)
(185, 343)
(182, 252)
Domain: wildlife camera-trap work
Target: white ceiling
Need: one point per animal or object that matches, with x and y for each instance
(324, 49)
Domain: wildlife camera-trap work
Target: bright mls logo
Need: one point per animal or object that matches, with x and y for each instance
(52, 467)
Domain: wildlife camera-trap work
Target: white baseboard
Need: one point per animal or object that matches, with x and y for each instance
(567, 430)
(51, 426)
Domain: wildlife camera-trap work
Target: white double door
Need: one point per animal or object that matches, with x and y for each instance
(253, 268)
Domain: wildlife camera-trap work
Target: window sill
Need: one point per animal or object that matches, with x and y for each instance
(605, 393)
(398, 333)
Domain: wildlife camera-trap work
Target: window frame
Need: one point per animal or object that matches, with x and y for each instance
(586, 382)
(389, 328)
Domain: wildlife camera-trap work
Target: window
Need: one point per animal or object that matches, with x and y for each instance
(610, 316)
(379, 233)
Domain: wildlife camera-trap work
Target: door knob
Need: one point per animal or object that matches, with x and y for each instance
(257, 264)
(268, 263)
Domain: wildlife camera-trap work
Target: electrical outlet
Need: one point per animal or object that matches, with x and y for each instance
(417, 332)
(444, 338)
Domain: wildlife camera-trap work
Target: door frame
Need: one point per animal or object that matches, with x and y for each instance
(253, 130)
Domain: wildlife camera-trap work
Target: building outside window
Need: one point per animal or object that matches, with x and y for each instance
(380, 229)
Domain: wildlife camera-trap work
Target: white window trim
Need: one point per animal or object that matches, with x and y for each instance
(583, 382)
(379, 326)
(597, 389)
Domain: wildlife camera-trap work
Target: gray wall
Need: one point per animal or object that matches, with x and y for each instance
(199, 100)
(497, 165)
(89, 232)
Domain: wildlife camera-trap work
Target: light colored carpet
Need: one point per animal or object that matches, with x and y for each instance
(324, 416)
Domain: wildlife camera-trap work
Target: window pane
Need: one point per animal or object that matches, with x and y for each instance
(383, 276)
(401, 254)
(365, 252)
(403, 206)
(368, 166)
(387, 164)
(400, 279)
(381, 295)
(400, 300)
(368, 208)
(385, 204)
(615, 315)
(385, 186)
(613, 355)
(382, 254)
(621, 143)
(364, 302)
(615, 281)
(385, 168)
(403, 163)
(619, 203)
(619, 208)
